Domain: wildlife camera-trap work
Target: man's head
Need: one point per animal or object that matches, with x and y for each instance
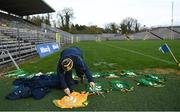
(67, 64)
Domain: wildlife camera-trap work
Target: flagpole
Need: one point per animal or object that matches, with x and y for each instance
(172, 55)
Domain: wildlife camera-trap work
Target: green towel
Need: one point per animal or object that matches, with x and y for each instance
(121, 85)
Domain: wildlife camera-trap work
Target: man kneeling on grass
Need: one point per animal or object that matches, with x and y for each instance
(72, 58)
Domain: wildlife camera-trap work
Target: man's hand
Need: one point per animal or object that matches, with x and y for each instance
(92, 85)
(67, 91)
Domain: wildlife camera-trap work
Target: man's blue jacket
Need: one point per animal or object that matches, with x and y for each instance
(79, 65)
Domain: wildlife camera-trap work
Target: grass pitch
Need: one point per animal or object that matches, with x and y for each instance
(111, 56)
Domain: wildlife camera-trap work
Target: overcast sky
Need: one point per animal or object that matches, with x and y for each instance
(101, 12)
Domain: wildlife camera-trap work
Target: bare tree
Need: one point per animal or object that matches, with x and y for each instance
(65, 17)
(130, 25)
(111, 28)
(60, 19)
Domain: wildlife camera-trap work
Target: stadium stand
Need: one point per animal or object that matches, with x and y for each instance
(111, 36)
(18, 36)
(86, 37)
(156, 33)
(144, 35)
(163, 33)
(103, 37)
(153, 34)
(18, 49)
(13, 21)
(176, 31)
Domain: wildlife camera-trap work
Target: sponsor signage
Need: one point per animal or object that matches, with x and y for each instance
(47, 49)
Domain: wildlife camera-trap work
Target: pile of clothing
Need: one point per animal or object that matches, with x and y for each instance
(151, 80)
(105, 74)
(128, 73)
(36, 87)
(123, 86)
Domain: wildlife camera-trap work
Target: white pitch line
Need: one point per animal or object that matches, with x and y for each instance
(135, 52)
